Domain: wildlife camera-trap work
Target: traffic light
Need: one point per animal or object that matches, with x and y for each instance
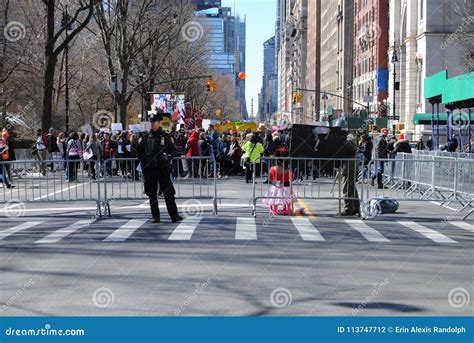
(296, 98)
(211, 86)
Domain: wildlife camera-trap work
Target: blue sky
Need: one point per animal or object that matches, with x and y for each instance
(261, 16)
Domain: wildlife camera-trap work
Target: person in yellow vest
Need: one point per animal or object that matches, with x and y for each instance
(7, 153)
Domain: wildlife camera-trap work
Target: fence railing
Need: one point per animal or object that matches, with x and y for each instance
(448, 181)
(49, 181)
(101, 182)
(445, 180)
(200, 182)
(306, 178)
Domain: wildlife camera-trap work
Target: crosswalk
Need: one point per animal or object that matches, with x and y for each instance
(42, 232)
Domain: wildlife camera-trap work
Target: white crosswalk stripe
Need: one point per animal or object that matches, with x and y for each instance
(246, 229)
(463, 225)
(184, 231)
(307, 231)
(56, 236)
(18, 228)
(370, 234)
(125, 231)
(427, 232)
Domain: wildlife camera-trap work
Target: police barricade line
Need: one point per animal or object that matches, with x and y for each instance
(444, 180)
(31, 181)
(304, 178)
(123, 179)
(443, 154)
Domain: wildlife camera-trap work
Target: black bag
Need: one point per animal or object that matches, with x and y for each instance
(383, 205)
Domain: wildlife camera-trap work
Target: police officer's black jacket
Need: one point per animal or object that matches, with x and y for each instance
(156, 150)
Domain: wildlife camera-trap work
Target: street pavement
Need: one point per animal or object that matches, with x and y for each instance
(57, 259)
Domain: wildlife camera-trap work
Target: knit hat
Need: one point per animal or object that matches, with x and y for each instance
(401, 137)
(4, 133)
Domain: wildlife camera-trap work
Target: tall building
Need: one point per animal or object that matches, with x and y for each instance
(268, 96)
(370, 84)
(425, 45)
(285, 65)
(336, 54)
(313, 55)
(299, 39)
(226, 44)
(241, 54)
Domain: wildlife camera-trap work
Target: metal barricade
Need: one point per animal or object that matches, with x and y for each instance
(123, 180)
(311, 178)
(426, 177)
(45, 181)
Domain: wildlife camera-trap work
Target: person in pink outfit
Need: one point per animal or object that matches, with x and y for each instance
(279, 198)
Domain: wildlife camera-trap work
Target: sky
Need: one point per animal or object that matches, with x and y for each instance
(261, 16)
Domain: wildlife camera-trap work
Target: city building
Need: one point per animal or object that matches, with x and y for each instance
(370, 83)
(226, 44)
(268, 103)
(313, 55)
(336, 55)
(424, 45)
(299, 39)
(285, 65)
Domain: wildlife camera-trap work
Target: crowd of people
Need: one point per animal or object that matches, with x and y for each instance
(232, 152)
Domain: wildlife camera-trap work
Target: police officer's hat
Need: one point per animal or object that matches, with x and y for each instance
(152, 117)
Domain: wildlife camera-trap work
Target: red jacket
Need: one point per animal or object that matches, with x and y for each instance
(192, 146)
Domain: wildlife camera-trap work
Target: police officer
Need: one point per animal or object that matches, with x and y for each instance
(349, 176)
(156, 151)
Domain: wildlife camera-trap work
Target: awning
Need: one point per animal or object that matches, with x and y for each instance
(425, 118)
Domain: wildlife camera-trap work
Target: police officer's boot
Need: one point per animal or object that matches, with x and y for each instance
(155, 211)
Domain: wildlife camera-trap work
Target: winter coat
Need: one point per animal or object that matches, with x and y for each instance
(192, 145)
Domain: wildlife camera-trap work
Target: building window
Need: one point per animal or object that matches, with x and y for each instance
(421, 9)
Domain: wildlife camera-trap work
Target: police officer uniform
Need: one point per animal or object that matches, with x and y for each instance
(156, 151)
(349, 176)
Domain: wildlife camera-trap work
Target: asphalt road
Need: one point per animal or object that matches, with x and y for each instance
(56, 259)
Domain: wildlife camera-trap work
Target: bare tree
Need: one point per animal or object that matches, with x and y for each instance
(137, 38)
(83, 12)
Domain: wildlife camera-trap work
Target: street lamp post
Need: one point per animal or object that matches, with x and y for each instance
(142, 95)
(64, 23)
(394, 63)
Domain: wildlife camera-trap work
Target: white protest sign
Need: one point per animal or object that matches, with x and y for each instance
(87, 129)
(136, 128)
(117, 127)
